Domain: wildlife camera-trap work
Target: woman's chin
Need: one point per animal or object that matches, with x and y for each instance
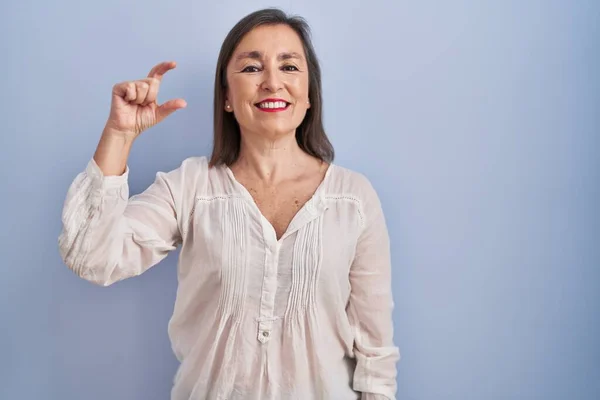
(271, 130)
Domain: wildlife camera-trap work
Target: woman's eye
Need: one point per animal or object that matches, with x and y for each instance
(290, 68)
(250, 68)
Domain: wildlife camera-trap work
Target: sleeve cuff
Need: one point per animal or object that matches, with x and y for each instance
(105, 183)
(374, 396)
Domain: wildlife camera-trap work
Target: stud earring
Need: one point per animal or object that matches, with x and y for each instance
(228, 107)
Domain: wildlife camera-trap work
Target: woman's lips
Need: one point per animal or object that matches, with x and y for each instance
(272, 105)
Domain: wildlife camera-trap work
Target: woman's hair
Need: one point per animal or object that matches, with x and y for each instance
(310, 135)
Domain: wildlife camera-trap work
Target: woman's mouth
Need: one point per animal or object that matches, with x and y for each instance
(272, 105)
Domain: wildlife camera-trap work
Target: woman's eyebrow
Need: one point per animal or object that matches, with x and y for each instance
(249, 54)
(288, 56)
(257, 55)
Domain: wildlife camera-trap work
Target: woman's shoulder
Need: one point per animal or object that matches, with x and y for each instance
(188, 168)
(348, 186)
(198, 177)
(196, 166)
(345, 181)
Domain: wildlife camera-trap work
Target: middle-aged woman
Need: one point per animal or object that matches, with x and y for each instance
(284, 287)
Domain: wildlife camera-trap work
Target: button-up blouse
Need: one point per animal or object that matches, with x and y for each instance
(307, 316)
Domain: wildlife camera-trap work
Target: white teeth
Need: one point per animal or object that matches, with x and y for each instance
(273, 104)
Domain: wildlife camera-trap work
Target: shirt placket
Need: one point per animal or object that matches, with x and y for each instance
(312, 209)
(269, 286)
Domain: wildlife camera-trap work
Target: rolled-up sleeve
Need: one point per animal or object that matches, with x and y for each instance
(371, 304)
(107, 236)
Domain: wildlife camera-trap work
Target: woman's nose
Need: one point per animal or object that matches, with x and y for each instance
(271, 80)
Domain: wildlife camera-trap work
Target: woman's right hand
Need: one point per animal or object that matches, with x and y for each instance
(134, 108)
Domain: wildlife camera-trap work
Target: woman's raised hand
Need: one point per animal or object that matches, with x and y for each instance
(134, 108)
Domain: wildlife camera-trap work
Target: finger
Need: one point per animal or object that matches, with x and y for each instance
(125, 90)
(168, 108)
(142, 91)
(130, 94)
(154, 85)
(160, 69)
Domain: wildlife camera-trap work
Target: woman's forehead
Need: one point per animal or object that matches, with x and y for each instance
(270, 41)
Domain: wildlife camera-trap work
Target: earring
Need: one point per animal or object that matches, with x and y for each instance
(228, 107)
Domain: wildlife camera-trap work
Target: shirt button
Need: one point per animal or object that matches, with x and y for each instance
(266, 334)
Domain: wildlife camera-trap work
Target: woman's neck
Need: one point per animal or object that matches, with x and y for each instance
(270, 160)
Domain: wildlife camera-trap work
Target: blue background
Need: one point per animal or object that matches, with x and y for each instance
(477, 122)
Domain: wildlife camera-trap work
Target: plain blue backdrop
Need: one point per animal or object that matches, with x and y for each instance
(478, 123)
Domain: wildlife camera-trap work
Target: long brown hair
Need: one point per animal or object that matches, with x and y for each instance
(310, 135)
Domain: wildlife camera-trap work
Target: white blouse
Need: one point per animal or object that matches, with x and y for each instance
(304, 317)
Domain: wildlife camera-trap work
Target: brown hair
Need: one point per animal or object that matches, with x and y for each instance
(310, 135)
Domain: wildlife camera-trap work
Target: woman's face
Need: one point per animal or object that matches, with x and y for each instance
(268, 82)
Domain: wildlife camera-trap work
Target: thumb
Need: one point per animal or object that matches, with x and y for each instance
(168, 108)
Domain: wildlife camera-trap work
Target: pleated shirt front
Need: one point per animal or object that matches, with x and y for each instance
(307, 316)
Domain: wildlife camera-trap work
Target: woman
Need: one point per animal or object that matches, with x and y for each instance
(284, 271)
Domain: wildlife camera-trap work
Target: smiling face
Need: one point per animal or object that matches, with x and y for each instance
(267, 79)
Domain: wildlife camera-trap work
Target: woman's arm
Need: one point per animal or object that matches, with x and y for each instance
(370, 306)
(107, 236)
